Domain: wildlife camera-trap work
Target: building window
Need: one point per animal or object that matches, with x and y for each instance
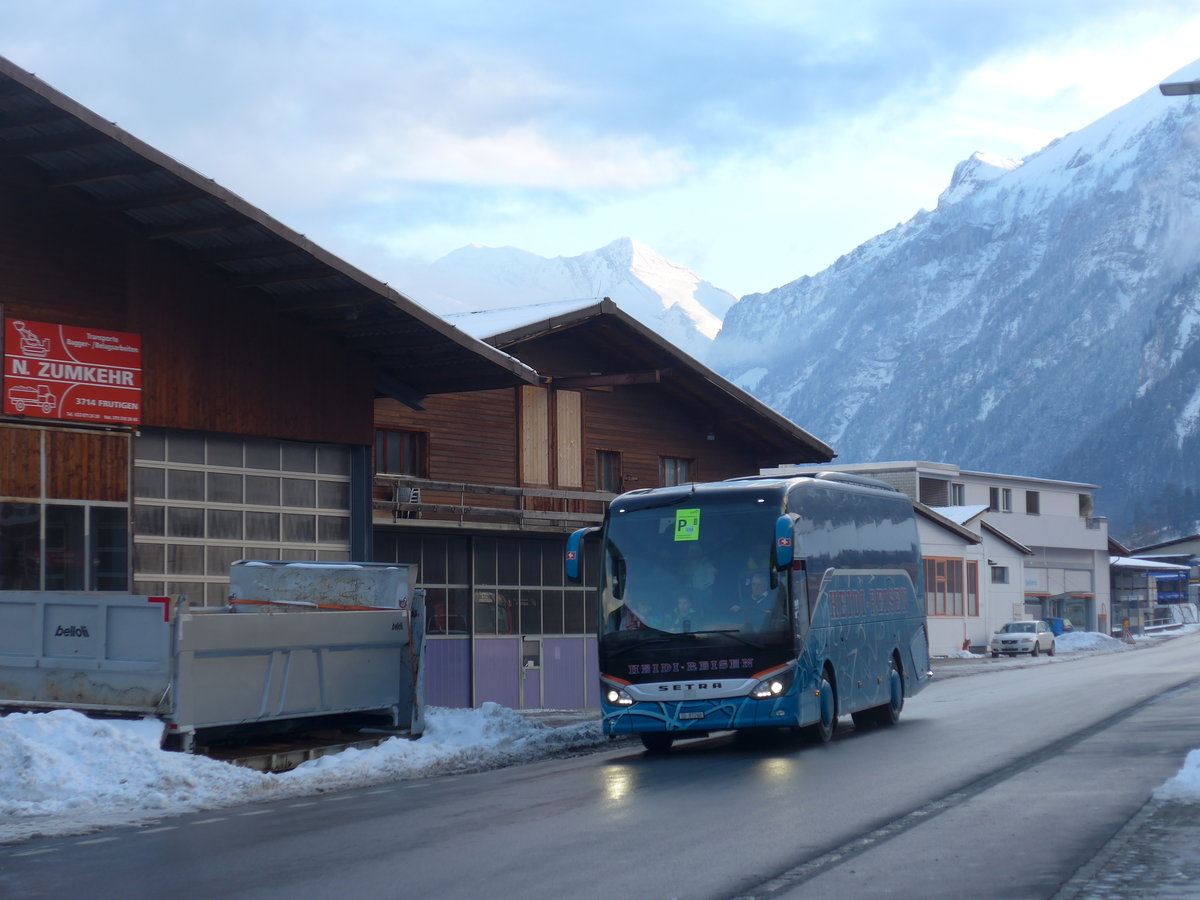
(951, 589)
(64, 547)
(1033, 503)
(999, 499)
(202, 501)
(958, 494)
(490, 586)
(608, 471)
(999, 574)
(672, 470)
(401, 453)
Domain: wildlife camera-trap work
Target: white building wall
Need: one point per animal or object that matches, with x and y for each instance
(947, 633)
(1005, 601)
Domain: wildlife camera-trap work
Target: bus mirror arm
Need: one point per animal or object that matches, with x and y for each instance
(574, 560)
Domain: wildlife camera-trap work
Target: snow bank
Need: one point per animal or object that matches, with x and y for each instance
(1186, 784)
(63, 773)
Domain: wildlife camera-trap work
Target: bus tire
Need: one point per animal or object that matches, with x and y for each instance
(888, 714)
(657, 742)
(823, 729)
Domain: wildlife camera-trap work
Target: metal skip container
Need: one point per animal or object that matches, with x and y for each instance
(297, 641)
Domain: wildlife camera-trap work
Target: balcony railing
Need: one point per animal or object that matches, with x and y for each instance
(400, 499)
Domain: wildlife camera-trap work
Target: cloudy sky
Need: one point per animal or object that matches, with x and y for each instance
(753, 142)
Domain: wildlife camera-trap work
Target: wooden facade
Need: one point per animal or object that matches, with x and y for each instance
(261, 355)
(612, 393)
(216, 357)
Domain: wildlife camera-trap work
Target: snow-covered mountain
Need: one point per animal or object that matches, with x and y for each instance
(661, 294)
(1043, 320)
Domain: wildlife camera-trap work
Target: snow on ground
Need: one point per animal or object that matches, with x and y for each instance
(63, 773)
(1186, 784)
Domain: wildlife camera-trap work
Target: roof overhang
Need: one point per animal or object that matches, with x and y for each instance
(68, 147)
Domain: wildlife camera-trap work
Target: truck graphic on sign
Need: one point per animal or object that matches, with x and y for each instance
(36, 395)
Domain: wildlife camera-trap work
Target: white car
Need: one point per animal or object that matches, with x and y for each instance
(1023, 637)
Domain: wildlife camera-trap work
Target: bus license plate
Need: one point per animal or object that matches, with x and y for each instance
(691, 715)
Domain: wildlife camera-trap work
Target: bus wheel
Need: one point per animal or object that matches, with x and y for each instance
(657, 742)
(822, 730)
(889, 713)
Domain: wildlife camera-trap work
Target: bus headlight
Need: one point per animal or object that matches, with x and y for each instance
(774, 686)
(615, 696)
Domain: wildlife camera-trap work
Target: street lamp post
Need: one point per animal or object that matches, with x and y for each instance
(1179, 88)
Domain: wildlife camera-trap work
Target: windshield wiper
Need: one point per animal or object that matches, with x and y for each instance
(734, 632)
(634, 645)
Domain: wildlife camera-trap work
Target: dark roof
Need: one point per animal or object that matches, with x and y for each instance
(601, 334)
(69, 147)
(1162, 545)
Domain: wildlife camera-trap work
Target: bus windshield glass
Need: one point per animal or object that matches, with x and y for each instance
(691, 569)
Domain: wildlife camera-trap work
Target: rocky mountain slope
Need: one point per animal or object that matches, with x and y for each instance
(1043, 320)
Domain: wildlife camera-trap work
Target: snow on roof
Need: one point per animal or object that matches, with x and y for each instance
(959, 514)
(1130, 562)
(485, 323)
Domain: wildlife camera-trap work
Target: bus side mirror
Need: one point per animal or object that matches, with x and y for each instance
(574, 560)
(783, 542)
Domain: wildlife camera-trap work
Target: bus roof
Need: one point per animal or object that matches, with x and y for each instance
(769, 485)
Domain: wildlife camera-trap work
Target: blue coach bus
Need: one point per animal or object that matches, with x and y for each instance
(759, 602)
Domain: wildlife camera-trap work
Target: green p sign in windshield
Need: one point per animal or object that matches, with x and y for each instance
(687, 524)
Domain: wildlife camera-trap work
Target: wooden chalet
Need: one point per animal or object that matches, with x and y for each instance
(480, 488)
(187, 381)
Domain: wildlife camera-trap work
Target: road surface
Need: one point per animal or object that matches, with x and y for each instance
(1001, 784)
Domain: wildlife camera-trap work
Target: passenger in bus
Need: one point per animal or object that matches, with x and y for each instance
(761, 606)
(685, 614)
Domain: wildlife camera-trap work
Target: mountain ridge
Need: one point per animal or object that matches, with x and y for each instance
(660, 293)
(1017, 327)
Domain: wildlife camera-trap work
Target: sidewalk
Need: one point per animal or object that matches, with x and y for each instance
(1155, 855)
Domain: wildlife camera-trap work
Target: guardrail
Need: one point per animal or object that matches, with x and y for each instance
(402, 497)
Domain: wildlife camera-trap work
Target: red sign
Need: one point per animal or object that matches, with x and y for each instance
(80, 374)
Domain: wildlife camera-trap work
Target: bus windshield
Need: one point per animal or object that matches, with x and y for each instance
(701, 568)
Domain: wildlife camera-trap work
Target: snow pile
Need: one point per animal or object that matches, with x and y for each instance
(1186, 784)
(1087, 641)
(61, 772)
